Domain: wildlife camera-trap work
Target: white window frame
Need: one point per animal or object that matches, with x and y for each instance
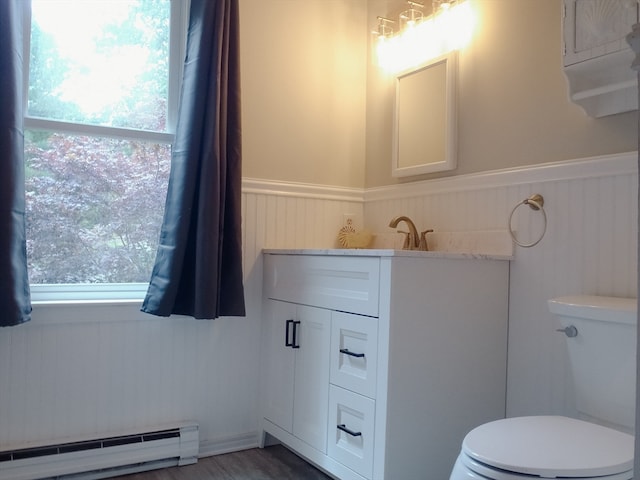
(43, 294)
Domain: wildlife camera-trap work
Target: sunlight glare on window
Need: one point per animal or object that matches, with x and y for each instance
(92, 60)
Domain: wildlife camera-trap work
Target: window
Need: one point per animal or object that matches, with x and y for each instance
(102, 96)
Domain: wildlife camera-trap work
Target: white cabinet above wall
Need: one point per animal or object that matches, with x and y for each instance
(597, 58)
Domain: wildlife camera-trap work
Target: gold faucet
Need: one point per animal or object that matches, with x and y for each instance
(412, 241)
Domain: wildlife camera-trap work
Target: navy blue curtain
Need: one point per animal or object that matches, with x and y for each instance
(198, 268)
(15, 298)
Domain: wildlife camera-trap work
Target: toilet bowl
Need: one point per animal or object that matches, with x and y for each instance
(544, 447)
(522, 448)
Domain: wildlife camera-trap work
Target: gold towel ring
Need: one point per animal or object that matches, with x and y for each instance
(535, 202)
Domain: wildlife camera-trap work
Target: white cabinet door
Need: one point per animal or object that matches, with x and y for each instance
(278, 363)
(597, 55)
(594, 28)
(296, 370)
(311, 397)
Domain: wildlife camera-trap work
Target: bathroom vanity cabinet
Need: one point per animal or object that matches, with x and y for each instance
(375, 364)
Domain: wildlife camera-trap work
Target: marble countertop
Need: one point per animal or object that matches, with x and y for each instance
(490, 245)
(383, 252)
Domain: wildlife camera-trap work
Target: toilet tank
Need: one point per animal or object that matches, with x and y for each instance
(602, 355)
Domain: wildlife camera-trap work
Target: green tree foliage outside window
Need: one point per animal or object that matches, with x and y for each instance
(95, 197)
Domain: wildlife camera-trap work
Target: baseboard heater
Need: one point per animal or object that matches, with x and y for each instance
(104, 457)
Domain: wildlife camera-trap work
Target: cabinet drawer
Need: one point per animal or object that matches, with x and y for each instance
(343, 283)
(351, 430)
(354, 352)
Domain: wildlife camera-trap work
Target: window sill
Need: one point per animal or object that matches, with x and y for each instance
(82, 303)
(88, 294)
(90, 304)
(78, 311)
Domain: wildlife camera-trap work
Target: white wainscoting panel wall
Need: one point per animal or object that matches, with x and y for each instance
(86, 370)
(589, 248)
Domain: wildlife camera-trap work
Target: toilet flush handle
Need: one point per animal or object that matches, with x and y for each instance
(569, 331)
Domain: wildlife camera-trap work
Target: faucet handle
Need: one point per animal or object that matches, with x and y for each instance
(407, 239)
(423, 240)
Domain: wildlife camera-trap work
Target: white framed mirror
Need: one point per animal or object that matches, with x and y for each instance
(424, 136)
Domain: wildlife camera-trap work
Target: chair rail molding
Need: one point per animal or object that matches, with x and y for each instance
(301, 190)
(589, 167)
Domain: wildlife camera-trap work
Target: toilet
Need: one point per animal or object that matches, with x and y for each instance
(601, 344)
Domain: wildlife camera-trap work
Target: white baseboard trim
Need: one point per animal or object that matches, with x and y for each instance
(233, 443)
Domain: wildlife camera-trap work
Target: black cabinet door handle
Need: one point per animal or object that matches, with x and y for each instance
(352, 354)
(287, 343)
(295, 343)
(350, 432)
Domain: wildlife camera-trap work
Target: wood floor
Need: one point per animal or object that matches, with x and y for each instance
(275, 462)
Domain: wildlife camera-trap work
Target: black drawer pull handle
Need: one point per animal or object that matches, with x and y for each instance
(350, 432)
(347, 352)
(295, 343)
(287, 343)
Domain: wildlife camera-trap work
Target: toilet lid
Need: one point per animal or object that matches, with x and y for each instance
(550, 446)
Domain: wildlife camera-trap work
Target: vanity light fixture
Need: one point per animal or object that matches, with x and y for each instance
(412, 16)
(442, 4)
(384, 29)
(382, 33)
(449, 27)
